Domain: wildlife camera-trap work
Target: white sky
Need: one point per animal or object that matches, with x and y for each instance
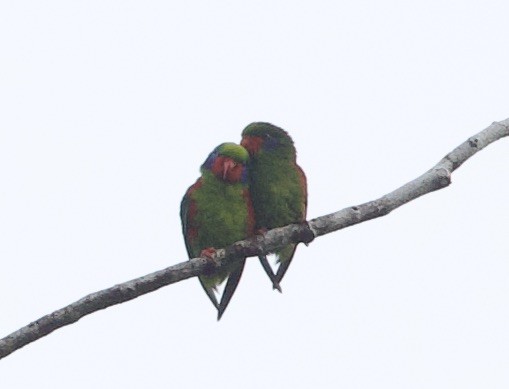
(108, 108)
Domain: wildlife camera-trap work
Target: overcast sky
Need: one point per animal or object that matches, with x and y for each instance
(108, 108)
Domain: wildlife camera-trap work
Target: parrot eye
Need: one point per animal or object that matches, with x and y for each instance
(271, 139)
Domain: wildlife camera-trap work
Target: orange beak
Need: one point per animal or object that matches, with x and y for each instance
(228, 164)
(252, 144)
(245, 142)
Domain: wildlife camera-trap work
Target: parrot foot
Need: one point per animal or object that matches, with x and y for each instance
(261, 231)
(208, 254)
(307, 236)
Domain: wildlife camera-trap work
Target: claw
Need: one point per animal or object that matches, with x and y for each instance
(211, 265)
(261, 231)
(208, 253)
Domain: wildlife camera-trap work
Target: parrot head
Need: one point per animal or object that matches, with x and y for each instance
(265, 137)
(228, 163)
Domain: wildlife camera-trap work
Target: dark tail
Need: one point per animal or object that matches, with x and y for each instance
(229, 289)
(285, 258)
(210, 293)
(268, 269)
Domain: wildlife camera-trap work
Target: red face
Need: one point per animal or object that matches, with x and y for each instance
(252, 144)
(227, 169)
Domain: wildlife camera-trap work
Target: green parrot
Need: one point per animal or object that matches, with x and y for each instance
(217, 211)
(277, 184)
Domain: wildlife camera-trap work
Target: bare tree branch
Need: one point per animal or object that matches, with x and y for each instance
(438, 177)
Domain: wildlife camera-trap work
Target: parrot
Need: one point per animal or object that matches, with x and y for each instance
(217, 211)
(277, 185)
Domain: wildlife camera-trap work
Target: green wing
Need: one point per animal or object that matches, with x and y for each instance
(185, 206)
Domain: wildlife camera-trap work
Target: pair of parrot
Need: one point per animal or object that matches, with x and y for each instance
(244, 189)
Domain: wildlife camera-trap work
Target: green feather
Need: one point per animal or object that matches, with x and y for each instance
(222, 218)
(284, 144)
(277, 185)
(215, 214)
(276, 191)
(234, 151)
